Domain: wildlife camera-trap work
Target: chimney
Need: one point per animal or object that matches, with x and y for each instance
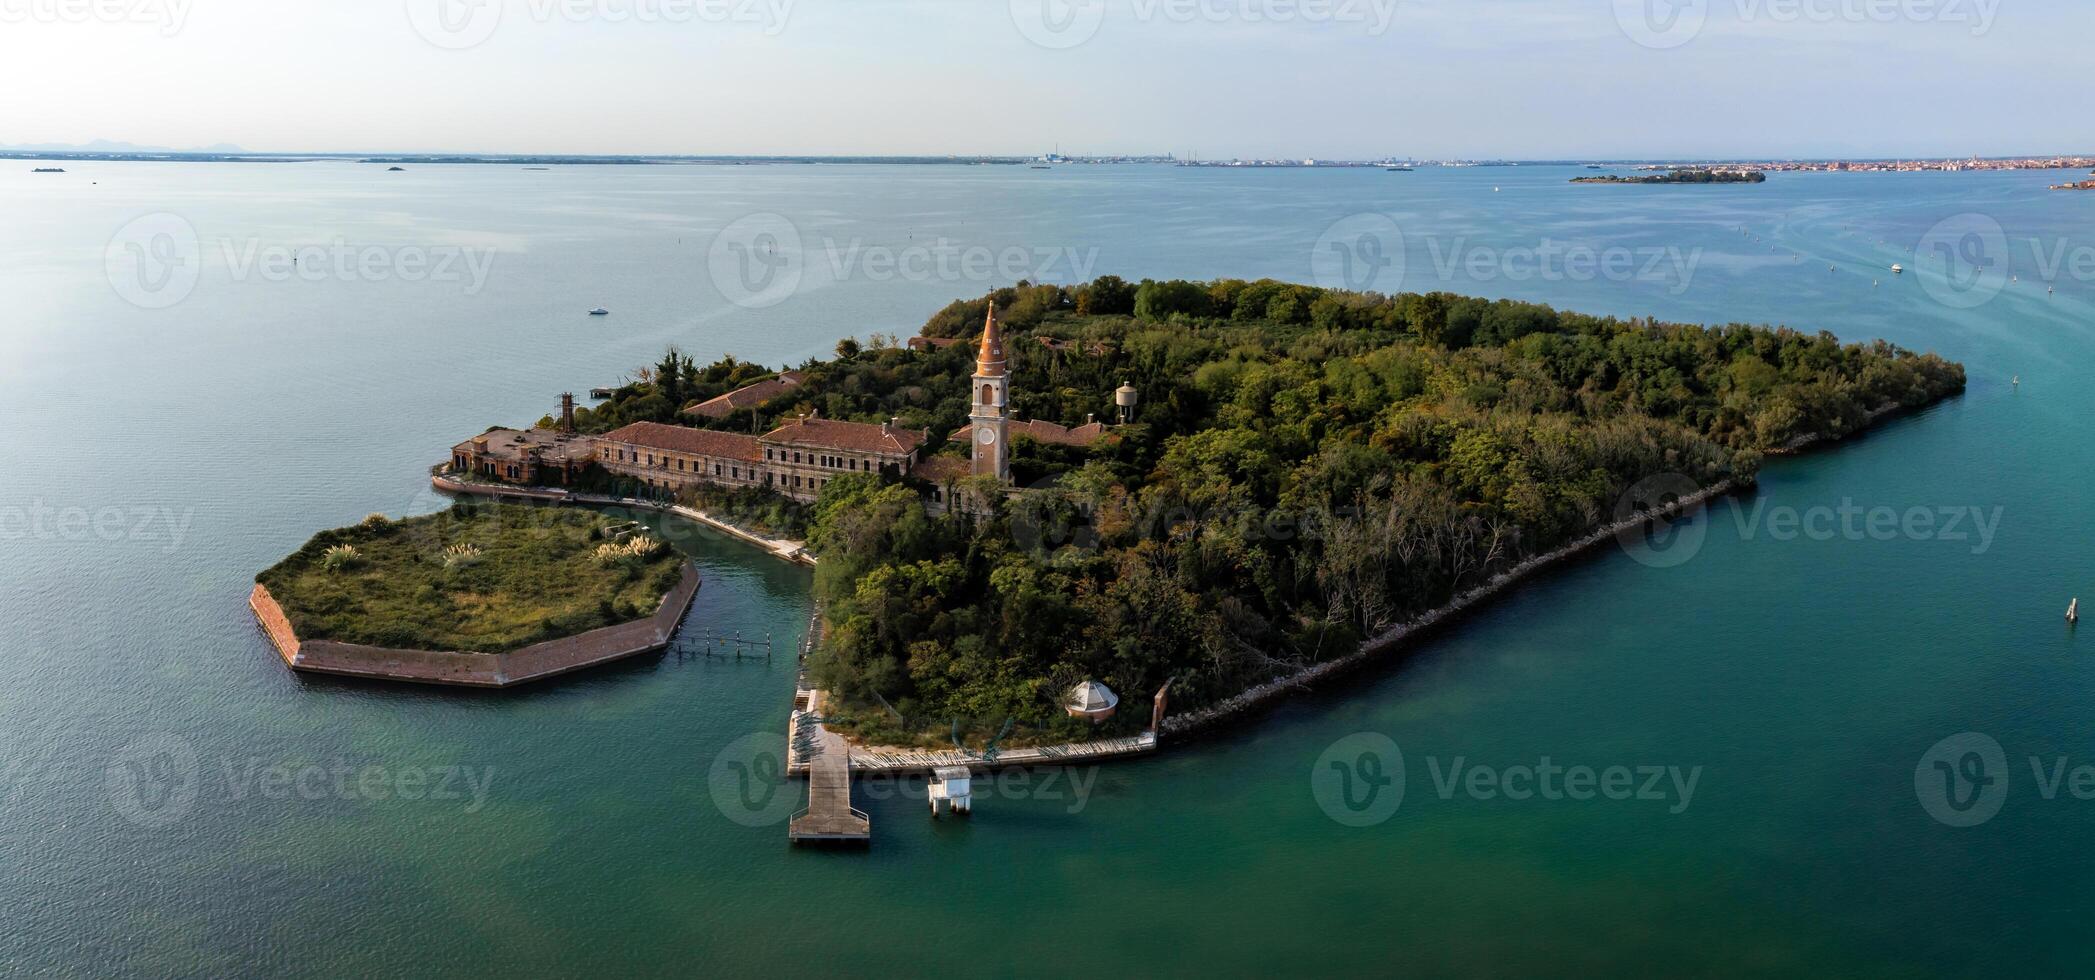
(1090, 418)
(567, 411)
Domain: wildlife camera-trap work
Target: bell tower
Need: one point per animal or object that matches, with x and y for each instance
(992, 405)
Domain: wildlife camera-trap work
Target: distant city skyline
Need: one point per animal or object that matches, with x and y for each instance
(1216, 79)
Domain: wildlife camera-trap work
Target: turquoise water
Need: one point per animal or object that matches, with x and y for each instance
(1806, 678)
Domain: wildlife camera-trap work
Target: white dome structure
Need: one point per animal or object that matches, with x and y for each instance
(1092, 700)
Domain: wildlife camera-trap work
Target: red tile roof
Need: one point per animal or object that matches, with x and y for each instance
(683, 439)
(848, 436)
(747, 396)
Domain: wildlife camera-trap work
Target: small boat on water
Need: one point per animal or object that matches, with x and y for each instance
(599, 311)
(1897, 269)
(2073, 611)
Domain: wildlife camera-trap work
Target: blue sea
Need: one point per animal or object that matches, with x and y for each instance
(1847, 736)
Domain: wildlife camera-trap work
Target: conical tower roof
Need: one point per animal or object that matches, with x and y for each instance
(989, 363)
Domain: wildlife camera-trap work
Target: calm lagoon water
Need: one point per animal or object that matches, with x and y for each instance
(1805, 678)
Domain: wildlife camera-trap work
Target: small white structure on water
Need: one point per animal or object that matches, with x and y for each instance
(950, 790)
(1093, 701)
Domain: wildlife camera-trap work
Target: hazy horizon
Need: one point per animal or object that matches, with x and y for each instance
(1214, 79)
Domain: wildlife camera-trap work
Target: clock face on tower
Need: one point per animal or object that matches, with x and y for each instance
(987, 437)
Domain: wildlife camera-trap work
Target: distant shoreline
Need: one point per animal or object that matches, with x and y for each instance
(1778, 165)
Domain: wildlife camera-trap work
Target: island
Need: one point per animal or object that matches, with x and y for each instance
(482, 595)
(2078, 185)
(1187, 496)
(1680, 177)
(47, 170)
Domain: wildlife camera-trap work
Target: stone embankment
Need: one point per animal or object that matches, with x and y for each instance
(535, 662)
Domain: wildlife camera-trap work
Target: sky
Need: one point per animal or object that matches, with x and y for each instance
(1334, 79)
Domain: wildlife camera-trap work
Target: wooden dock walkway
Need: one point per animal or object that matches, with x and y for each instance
(829, 816)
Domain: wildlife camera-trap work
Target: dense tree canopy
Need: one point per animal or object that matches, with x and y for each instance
(1305, 469)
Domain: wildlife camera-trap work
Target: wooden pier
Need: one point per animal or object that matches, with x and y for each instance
(829, 817)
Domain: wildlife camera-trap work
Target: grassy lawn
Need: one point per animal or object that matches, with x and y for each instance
(486, 578)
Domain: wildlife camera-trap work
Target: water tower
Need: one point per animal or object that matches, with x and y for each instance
(1125, 399)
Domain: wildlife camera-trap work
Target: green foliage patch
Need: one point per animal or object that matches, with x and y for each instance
(483, 578)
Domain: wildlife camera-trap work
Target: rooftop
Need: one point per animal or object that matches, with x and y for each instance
(859, 437)
(684, 439)
(747, 396)
(516, 445)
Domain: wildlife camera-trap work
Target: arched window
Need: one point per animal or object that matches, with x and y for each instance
(989, 395)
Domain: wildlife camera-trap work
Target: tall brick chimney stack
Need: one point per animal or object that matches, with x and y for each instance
(567, 411)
